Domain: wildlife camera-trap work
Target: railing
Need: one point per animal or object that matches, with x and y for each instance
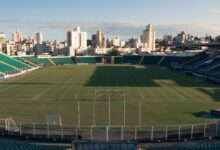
(114, 133)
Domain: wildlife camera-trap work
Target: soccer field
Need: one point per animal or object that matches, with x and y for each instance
(166, 96)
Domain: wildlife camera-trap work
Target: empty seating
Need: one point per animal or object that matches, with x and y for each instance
(38, 61)
(209, 64)
(62, 60)
(19, 59)
(13, 62)
(45, 61)
(196, 59)
(7, 69)
(118, 59)
(215, 69)
(13, 145)
(151, 60)
(132, 59)
(207, 145)
(88, 60)
(168, 60)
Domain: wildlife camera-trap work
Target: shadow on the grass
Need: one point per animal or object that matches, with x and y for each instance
(148, 76)
(213, 93)
(205, 115)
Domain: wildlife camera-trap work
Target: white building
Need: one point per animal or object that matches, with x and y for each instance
(76, 40)
(122, 43)
(39, 38)
(116, 42)
(83, 40)
(149, 38)
(73, 39)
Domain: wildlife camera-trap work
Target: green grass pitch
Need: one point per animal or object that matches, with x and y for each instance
(168, 97)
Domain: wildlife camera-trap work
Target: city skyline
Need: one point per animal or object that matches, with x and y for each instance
(198, 17)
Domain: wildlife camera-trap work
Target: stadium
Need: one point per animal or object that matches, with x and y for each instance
(139, 98)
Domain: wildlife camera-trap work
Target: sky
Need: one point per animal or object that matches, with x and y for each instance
(124, 18)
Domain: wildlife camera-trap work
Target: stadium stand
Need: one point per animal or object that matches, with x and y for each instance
(118, 59)
(88, 145)
(168, 60)
(38, 61)
(14, 145)
(46, 61)
(13, 62)
(132, 59)
(155, 60)
(206, 145)
(209, 64)
(20, 59)
(196, 59)
(206, 65)
(25, 61)
(215, 69)
(88, 60)
(204, 62)
(7, 69)
(151, 60)
(63, 60)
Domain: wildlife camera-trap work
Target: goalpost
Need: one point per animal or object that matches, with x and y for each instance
(9, 125)
(108, 95)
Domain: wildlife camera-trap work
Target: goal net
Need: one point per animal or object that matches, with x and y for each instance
(8, 124)
(116, 95)
(54, 120)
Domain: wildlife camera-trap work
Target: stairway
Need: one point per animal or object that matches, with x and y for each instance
(28, 62)
(10, 66)
(141, 61)
(52, 62)
(76, 59)
(161, 60)
(16, 60)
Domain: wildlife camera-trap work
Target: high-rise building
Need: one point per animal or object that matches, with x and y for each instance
(39, 38)
(182, 37)
(100, 39)
(17, 36)
(94, 39)
(122, 43)
(83, 40)
(77, 39)
(149, 38)
(116, 42)
(73, 39)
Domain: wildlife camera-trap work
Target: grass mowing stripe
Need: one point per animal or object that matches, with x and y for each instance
(169, 97)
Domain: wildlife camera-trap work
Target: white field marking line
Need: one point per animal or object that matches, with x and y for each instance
(41, 93)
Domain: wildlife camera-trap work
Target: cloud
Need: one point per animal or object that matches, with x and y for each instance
(57, 29)
(214, 11)
(199, 29)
